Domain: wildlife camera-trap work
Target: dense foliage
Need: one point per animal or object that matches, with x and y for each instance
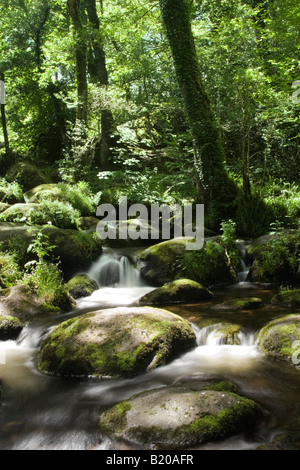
(93, 98)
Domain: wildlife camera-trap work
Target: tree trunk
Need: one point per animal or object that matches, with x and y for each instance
(101, 77)
(214, 187)
(3, 114)
(75, 8)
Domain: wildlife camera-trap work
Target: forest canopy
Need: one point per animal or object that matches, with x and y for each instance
(99, 93)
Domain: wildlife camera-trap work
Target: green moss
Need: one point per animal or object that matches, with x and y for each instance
(277, 337)
(10, 327)
(117, 416)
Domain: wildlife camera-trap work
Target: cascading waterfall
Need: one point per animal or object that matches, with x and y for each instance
(243, 273)
(119, 282)
(113, 269)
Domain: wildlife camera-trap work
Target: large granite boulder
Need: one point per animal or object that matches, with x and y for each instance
(115, 342)
(181, 415)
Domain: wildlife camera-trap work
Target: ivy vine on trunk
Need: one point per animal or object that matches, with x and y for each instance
(215, 189)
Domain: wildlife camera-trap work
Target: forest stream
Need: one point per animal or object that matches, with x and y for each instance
(41, 412)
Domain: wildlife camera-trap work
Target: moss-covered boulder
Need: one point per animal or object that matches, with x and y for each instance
(115, 342)
(10, 327)
(64, 193)
(21, 302)
(246, 303)
(81, 285)
(275, 258)
(88, 223)
(288, 439)
(279, 340)
(225, 333)
(181, 416)
(74, 249)
(18, 212)
(3, 206)
(180, 291)
(287, 298)
(27, 175)
(170, 260)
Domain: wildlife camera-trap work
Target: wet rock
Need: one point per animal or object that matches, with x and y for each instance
(225, 333)
(115, 342)
(170, 260)
(180, 291)
(279, 340)
(181, 415)
(81, 286)
(287, 298)
(10, 327)
(249, 303)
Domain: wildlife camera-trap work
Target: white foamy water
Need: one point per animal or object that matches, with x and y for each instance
(16, 365)
(112, 297)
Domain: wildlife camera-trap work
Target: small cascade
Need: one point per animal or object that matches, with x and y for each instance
(223, 334)
(119, 282)
(115, 270)
(244, 269)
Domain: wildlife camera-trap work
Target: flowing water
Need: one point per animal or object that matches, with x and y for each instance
(40, 412)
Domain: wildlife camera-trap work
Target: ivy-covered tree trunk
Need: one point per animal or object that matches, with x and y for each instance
(75, 9)
(214, 187)
(3, 115)
(101, 77)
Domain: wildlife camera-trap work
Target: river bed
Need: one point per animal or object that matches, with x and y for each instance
(41, 412)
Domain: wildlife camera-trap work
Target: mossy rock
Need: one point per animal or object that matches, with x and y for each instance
(247, 303)
(3, 206)
(21, 302)
(181, 416)
(170, 260)
(287, 298)
(275, 258)
(88, 223)
(226, 333)
(74, 249)
(27, 175)
(180, 291)
(288, 439)
(115, 342)
(10, 327)
(81, 286)
(18, 212)
(61, 192)
(279, 339)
